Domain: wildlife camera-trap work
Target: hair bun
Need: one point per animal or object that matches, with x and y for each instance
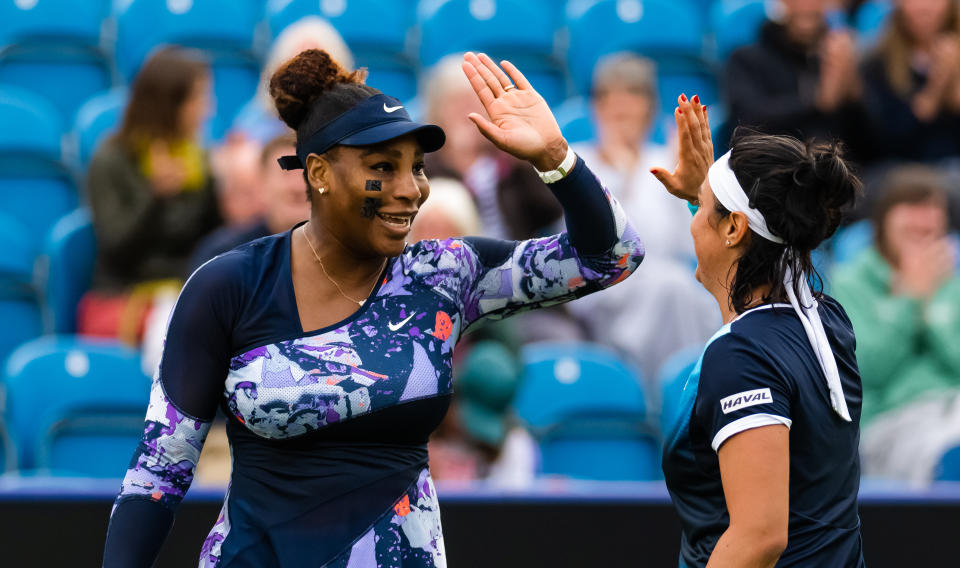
(825, 187)
(300, 81)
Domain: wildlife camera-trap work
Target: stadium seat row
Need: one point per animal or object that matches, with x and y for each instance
(93, 46)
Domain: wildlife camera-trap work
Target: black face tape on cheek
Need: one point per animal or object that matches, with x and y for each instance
(374, 185)
(370, 206)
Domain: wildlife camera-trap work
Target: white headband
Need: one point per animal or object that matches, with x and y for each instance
(728, 192)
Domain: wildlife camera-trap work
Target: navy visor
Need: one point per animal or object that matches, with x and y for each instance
(376, 119)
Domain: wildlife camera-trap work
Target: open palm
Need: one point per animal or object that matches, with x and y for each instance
(520, 121)
(695, 152)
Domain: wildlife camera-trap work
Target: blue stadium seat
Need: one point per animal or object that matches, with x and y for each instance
(66, 270)
(870, 21)
(96, 119)
(31, 170)
(850, 241)
(224, 30)
(53, 47)
(75, 407)
(19, 309)
(737, 23)
(668, 32)
(588, 412)
(352, 19)
(393, 77)
(575, 120)
(518, 30)
(672, 376)
(19, 252)
(948, 469)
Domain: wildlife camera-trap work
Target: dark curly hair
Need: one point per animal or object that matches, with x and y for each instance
(311, 89)
(802, 189)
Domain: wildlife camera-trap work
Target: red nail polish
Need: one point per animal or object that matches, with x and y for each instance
(696, 99)
(683, 97)
(680, 110)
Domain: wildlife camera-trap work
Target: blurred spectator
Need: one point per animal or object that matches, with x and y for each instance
(912, 84)
(283, 193)
(236, 165)
(512, 201)
(664, 309)
(258, 119)
(624, 100)
(800, 78)
(903, 298)
(151, 195)
(476, 439)
(449, 212)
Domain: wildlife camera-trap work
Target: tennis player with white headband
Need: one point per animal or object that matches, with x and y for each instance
(762, 459)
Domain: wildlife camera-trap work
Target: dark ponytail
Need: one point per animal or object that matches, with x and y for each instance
(802, 190)
(311, 89)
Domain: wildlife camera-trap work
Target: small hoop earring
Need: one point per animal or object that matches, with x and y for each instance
(322, 190)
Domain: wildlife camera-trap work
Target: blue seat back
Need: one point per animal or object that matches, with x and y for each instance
(510, 28)
(352, 19)
(850, 241)
(21, 319)
(668, 32)
(67, 264)
(737, 23)
(587, 410)
(948, 468)
(75, 406)
(672, 376)
(19, 198)
(47, 70)
(19, 252)
(31, 170)
(223, 29)
(870, 21)
(575, 119)
(96, 119)
(47, 44)
(31, 125)
(52, 20)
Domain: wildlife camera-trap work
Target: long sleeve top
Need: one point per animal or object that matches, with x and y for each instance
(328, 427)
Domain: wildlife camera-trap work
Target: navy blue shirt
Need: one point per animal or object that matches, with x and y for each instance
(760, 370)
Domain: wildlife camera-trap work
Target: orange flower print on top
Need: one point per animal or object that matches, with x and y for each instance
(403, 507)
(443, 326)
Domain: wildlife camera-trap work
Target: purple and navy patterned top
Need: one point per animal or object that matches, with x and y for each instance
(328, 428)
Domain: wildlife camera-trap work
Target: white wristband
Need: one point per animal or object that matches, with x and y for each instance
(562, 170)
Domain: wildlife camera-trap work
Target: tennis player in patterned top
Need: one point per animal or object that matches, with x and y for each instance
(329, 346)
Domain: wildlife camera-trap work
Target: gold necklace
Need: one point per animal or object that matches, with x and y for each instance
(303, 229)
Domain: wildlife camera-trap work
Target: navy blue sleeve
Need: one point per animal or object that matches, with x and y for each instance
(586, 210)
(183, 403)
(739, 389)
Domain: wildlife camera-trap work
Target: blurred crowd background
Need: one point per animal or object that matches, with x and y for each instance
(137, 141)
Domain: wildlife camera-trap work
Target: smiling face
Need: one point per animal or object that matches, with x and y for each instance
(367, 221)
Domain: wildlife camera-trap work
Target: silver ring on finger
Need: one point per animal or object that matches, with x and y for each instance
(508, 88)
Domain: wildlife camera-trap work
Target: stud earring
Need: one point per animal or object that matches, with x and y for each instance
(728, 242)
(322, 190)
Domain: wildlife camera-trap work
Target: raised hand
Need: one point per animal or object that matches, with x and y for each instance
(520, 121)
(695, 154)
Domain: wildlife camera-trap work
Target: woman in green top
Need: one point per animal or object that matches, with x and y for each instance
(903, 297)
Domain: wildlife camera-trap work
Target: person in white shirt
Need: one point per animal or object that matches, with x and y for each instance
(648, 318)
